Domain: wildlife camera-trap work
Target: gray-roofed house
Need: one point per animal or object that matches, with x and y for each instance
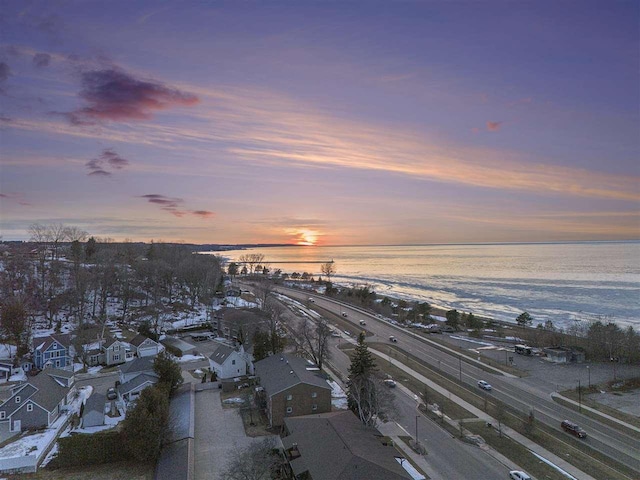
(93, 412)
(137, 366)
(229, 362)
(145, 346)
(292, 387)
(337, 446)
(36, 403)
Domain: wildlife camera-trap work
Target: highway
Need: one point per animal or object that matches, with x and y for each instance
(617, 444)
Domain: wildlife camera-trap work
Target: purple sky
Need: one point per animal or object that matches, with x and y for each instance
(323, 122)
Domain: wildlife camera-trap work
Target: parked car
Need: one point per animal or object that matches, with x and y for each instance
(393, 339)
(574, 429)
(312, 300)
(390, 382)
(344, 314)
(518, 475)
(362, 322)
(112, 394)
(484, 385)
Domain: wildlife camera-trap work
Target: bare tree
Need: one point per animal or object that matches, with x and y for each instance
(262, 292)
(251, 260)
(328, 269)
(314, 340)
(257, 462)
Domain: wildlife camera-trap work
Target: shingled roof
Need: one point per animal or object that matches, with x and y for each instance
(280, 372)
(220, 354)
(337, 446)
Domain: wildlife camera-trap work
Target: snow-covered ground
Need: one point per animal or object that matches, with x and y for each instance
(189, 358)
(338, 397)
(410, 469)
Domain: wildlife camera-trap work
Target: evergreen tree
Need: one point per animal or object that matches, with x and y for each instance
(145, 425)
(168, 370)
(453, 317)
(362, 388)
(524, 319)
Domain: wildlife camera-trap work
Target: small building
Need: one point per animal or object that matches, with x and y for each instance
(93, 412)
(145, 346)
(337, 446)
(51, 351)
(292, 387)
(131, 390)
(178, 347)
(564, 354)
(230, 362)
(136, 367)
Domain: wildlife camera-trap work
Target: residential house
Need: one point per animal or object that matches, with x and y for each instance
(93, 411)
(36, 403)
(337, 446)
(52, 351)
(144, 346)
(229, 362)
(107, 351)
(135, 376)
(292, 387)
(6, 369)
(115, 351)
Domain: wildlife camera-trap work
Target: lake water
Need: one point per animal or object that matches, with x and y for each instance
(557, 281)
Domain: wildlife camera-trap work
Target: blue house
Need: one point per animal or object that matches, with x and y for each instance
(51, 351)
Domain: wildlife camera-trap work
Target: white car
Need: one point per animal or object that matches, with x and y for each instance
(518, 475)
(389, 382)
(485, 386)
(312, 300)
(344, 314)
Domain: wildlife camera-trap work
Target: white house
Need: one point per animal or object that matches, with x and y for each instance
(229, 362)
(145, 346)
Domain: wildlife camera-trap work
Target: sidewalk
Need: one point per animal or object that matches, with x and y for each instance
(521, 439)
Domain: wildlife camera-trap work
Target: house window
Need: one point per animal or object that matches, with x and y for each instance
(289, 397)
(289, 409)
(116, 348)
(233, 362)
(30, 407)
(18, 399)
(314, 407)
(3, 415)
(314, 394)
(116, 358)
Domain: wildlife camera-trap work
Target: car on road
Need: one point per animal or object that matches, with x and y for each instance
(112, 394)
(390, 382)
(312, 300)
(574, 429)
(484, 385)
(362, 322)
(393, 339)
(518, 475)
(344, 314)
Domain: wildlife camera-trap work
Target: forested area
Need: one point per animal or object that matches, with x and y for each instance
(65, 277)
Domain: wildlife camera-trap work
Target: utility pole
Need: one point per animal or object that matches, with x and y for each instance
(417, 441)
(460, 367)
(579, 397)
(589, 372)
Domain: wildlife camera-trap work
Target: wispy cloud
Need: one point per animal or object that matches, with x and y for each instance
(259, 127)
(112, 94)
(104, 165)
(175, 206)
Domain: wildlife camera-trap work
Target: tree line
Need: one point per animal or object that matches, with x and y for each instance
(63, 274)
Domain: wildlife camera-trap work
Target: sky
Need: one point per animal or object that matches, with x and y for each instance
(327, 123)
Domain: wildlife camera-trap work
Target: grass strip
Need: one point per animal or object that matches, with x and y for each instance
(515, 452)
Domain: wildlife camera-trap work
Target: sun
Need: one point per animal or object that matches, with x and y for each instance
(307, 237)
(303, 236)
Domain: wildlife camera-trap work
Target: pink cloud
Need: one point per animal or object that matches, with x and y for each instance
(115, 95)
(203, 213)
(494, 126)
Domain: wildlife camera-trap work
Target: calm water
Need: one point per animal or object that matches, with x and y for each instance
(550, 281)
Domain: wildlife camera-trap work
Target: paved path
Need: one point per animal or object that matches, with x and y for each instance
(219, 434)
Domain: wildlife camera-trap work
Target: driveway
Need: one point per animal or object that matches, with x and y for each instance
(219, 434)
